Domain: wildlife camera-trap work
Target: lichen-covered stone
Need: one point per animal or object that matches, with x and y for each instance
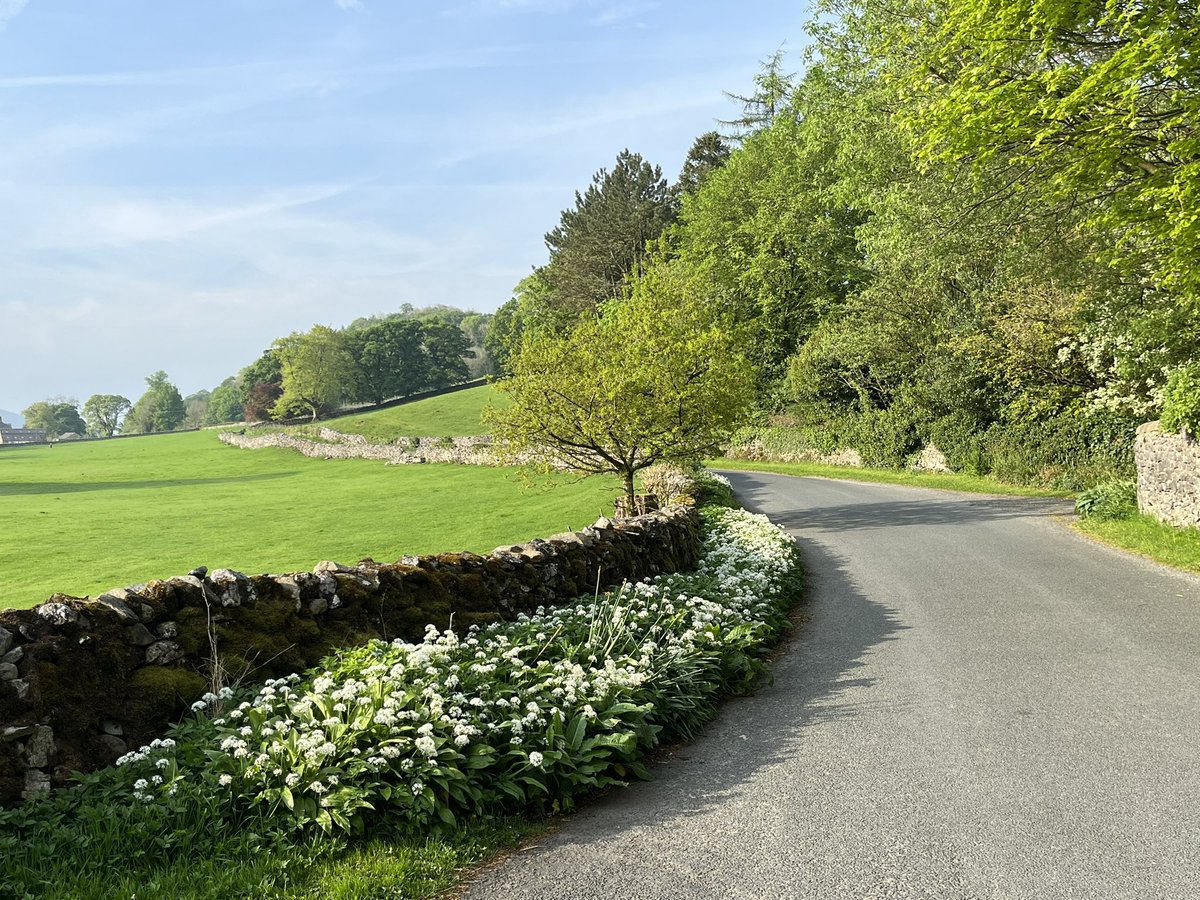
(58, 614)
(163, 653)
(118, 605)
(36, 782)
(40, 748)
(231, 588)
(167, 629)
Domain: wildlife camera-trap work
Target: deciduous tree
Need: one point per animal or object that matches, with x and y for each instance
(391, 360)
(654, 377)
(103, 413)
(318, 371)
(161, 408)
(56, 417)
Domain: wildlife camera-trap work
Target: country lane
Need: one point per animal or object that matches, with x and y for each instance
(979, 703)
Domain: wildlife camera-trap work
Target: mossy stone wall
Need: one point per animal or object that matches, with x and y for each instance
(84, 680)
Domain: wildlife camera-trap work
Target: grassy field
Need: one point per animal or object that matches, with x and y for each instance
(971, 484)
(450, 415)
(81, 518)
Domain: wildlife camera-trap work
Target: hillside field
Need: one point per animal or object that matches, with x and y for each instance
(82, 518)
(451, 415)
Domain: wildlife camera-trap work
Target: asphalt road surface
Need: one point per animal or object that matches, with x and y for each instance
(981, 704)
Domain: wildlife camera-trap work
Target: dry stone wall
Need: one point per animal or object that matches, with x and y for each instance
(474, 450)
(84, 680)
(1168, 475)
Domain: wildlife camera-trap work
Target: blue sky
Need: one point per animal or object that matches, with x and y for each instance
(182, 182)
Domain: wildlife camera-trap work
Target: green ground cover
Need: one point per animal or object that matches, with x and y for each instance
(81, 518)
(972, 484)
(243, 866)
(450, 415)
(1146, 536)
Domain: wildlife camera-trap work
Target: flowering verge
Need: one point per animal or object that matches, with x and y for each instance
(534, 711)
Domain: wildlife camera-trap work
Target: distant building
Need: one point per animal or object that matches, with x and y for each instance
(10, 435)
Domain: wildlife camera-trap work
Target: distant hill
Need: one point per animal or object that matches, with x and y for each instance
(16, 420)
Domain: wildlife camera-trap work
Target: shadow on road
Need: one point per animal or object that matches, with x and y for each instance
(812, 673)
(927, 509)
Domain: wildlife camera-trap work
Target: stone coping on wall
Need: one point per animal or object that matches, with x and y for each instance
(1168, 475)
(83, 680)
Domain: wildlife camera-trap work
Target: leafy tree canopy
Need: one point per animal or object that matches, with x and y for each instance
(655, 377)
(103, 413)
(318, 371)
(227, 402)
(56, 417)
(161, 408)
(391, 359)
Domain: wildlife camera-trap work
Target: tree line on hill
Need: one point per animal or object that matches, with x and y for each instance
(972, 223)
(372, 360)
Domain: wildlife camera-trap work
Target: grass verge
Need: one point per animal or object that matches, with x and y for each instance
(971, 484)
(1148, 537)
(383, 868)
(82, 518)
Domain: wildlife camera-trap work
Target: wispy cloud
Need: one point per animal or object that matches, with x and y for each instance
(349, 4)
(622, 13)
(9, 10)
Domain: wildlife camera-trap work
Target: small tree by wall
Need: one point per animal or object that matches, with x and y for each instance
(652, 378)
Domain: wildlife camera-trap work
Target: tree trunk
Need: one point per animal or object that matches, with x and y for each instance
(630, 507)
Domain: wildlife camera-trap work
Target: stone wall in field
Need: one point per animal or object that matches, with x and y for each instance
(84, 680)
(1168, 475)
(330, 444)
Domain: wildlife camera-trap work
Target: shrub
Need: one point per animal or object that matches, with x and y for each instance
(1181, 400)
(1110, 500)
(960, 439)
(886, 438)
(1068, 453)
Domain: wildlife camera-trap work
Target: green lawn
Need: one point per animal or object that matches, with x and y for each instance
(450, 415)
(81, 518)
(972, 484)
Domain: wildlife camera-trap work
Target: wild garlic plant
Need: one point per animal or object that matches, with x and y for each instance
(534, 711)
